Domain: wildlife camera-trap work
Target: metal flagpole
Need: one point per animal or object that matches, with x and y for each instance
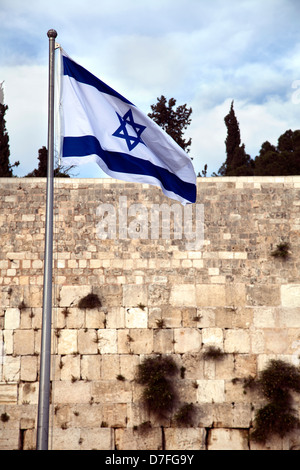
(45, 359)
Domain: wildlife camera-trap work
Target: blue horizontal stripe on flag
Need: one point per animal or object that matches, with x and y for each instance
(123, 163)
(74, 70)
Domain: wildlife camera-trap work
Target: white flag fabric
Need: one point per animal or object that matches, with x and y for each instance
(98, 124)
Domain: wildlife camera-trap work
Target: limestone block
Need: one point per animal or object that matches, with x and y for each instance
(129, 439)
(111, 391)
(237, 341)
(75, 318)
(210, 391)
(265, 317)
(87, 341)
(163, 341)
(136, 317)
(67, 342)
(194, 366)
(6, 294)
(225, 367)
(28, 393)
(235, 294)
(111, 294)
(71, 392)
(134, 295)
(29, 439)
(228, 439)
(66, 439)
(97, 439)
(114, 415)
(23, 341)
(177, 317)
(110, 366)
(26, 318)
(135, 341)
(289, 318)
(71, 295)
(115, 317)
(232, 415)
(257, 341)
(9, 439)
(35, 315)
(290, 295)
(212, 336)
(276, 341)
(107, 341)
(70, 367)
(90, 367)
(206, 317)
(183, 295)
(210, 295)
(33, 296)
(187, 340)
(27, 423)
(128, 365)
(95, 318)
(158, 295)
(12, 318)
(245, 365)
(8, 393)
(263, 295)
(11, 369)
(185, 438)
(185, 390)
(8, 340)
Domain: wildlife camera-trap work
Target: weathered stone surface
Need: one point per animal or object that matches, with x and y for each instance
(187, 340)
(210, 295)
(8, 393)
(228, 439)
(183, 295)
(210, 391)
(140, 439)
(290, 295)
(185, 439)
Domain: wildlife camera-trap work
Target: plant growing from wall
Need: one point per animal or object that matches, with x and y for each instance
(5, 417)
(277, 417)
(214, 353)
(156, 373)
(282, 250)
(184, 416)
(90, 301)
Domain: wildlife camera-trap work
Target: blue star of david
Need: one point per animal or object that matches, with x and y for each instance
(131, 140)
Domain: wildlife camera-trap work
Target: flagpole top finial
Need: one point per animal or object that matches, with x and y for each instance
(52, 33)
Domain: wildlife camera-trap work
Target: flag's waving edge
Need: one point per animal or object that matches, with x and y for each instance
(98, 124)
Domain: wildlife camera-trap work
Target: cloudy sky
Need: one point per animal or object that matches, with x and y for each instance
(202, 53)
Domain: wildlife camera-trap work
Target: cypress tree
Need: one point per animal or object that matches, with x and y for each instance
(238, 162)
(5, 166)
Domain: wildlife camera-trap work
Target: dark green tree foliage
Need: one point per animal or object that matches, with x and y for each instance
(172, 121)
(159, 394)
(282, 160)
(278, 416)
(41, 171)
(5, 166)
(238, 162)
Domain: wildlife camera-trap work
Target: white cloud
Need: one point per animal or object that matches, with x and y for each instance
(25, 92)
(201, 53)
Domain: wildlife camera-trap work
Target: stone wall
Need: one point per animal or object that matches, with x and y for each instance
(158, 296)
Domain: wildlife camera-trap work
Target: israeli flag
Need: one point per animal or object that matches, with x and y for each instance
(98, 124)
